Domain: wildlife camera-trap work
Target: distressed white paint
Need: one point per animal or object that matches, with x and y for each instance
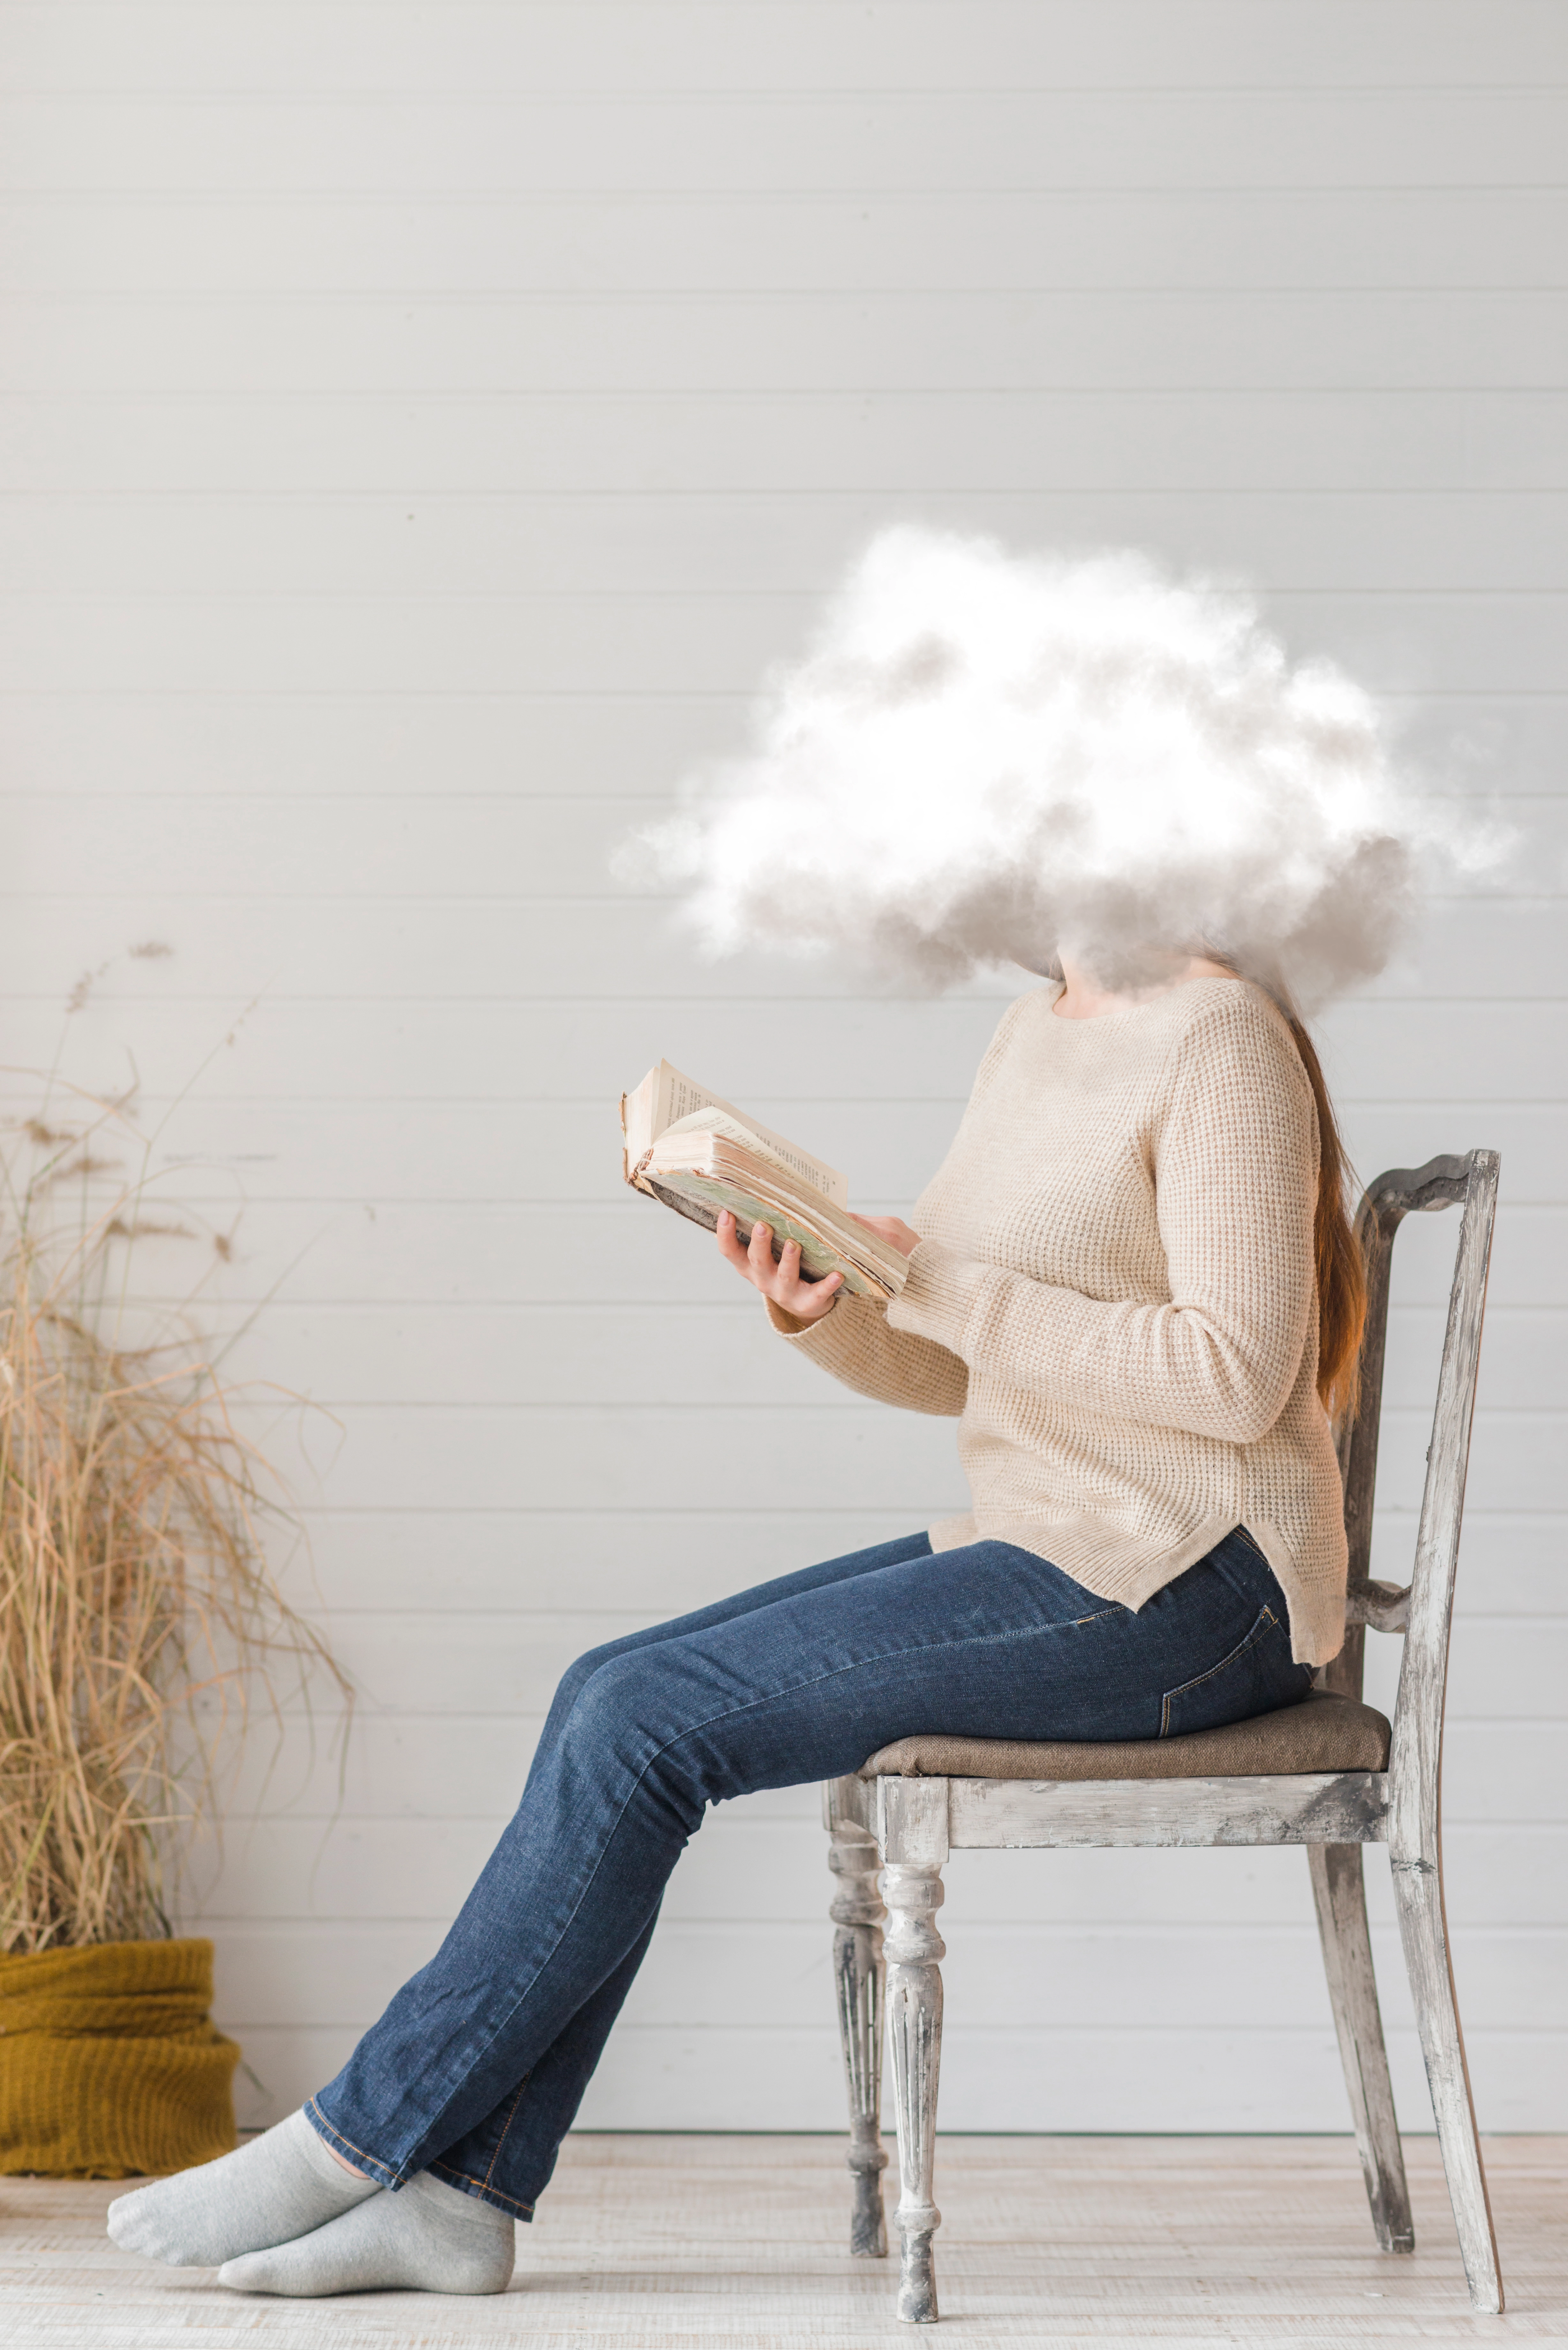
(420, 427)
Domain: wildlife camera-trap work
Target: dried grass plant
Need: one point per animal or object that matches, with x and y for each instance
(140, 1620)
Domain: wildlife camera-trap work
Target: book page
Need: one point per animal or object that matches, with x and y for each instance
(667, 1097)
(663, 1097)
(717, 1120)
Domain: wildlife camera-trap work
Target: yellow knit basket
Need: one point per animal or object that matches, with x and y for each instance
(110, 2064)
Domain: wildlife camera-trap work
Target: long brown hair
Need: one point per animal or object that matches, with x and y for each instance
(1336, 1253)
(1340, 1271)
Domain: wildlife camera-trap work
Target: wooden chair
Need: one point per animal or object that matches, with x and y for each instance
(1330, 1773)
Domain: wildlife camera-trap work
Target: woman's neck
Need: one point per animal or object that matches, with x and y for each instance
(1083, 997)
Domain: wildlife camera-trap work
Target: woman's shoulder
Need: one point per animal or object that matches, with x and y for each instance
(1224, 1009)
(1023, 1016)
(1213, 1023)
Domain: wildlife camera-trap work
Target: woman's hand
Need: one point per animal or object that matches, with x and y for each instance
(809, 1301)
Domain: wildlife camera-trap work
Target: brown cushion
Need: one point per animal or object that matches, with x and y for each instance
(1324, 1732)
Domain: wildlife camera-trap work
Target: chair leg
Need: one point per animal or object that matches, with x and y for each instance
(1418, 1892)
(858, 1976)
(1339, 1890)
(913, 1945)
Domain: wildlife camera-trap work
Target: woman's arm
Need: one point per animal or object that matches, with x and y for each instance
(849, 1336)
(1236, 1188)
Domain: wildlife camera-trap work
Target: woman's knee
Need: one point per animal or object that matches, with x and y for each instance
(643, 1709)
(582, 1670)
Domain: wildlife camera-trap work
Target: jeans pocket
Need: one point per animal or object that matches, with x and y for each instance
(1259, 1676)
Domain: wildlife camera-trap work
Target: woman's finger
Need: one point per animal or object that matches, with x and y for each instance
(787, 1288)
(807, 1299)
(781, 1279)
(730, 1243)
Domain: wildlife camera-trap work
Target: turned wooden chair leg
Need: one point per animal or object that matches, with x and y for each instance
(1339, 1890)
(913, 1947)
(1418, 1892)
(858, 1914)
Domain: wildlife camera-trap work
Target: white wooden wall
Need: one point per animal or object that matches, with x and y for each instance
(421, 425)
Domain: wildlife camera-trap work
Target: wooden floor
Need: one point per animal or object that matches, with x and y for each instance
(658, 2242)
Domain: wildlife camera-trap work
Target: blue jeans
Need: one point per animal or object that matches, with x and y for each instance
(478, 2066)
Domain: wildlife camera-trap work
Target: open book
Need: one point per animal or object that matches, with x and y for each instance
(683, 1145)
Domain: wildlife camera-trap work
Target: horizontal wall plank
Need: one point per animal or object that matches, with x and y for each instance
(476, 48)
(896, 445)
(1406, 239)
(756, 142)
(656, 1457)
(210, 748)
(641, 643)
(1134, 340)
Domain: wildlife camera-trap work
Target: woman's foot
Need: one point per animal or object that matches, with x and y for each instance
(284, 2184)
(428, 2238)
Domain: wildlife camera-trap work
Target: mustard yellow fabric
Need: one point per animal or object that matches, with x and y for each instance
(110, 2066)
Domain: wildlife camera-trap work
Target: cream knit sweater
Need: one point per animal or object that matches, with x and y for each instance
(1114, 1294)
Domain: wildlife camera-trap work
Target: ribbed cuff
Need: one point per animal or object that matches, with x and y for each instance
(789, 1326)
(938, 1297)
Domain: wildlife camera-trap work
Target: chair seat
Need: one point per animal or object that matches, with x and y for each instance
(1324, 1733)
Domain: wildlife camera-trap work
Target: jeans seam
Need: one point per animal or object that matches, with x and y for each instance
(446, 2171)
(510, 2116)
(1266, 1617)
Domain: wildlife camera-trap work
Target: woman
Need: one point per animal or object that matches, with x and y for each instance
(1134, 1284)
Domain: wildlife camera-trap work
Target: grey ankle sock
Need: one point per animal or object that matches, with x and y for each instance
(281, 2185)
(428, 2238)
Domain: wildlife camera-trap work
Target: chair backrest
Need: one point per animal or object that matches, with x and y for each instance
(1423, 1610)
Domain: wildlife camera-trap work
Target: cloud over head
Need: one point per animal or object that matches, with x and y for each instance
(986, 757)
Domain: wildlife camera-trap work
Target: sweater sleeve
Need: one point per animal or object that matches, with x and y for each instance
(854, 1342)
(1235, 1194)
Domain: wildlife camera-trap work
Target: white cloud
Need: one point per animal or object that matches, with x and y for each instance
(985, 756)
